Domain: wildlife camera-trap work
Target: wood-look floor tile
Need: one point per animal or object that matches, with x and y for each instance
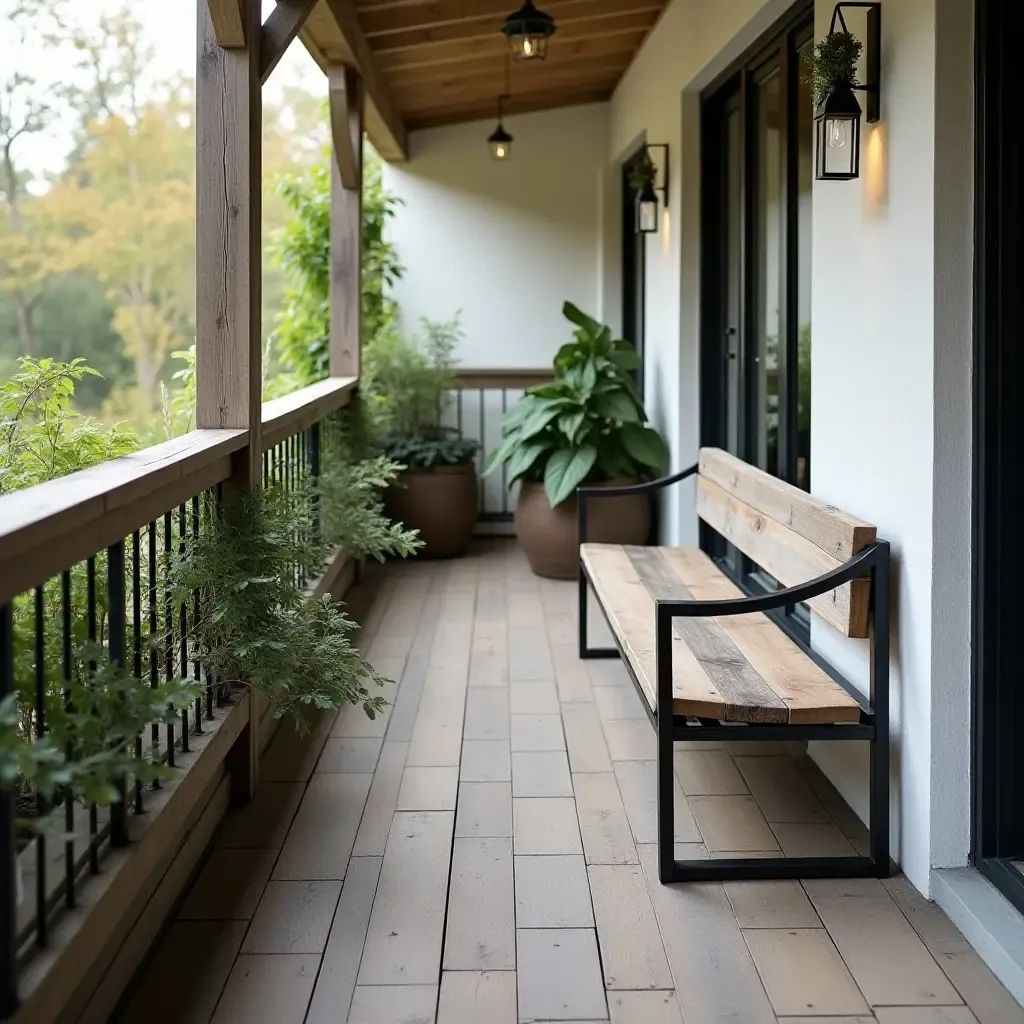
(540, 773)
(480, 933)
(437, 736)
(485, 761)
(352, 720)
(638, 784)
(708, 773)
(487, 713)
(990, 1002)
(733, 823)
(552, 892)
(571, 676)
(403, 942)
(888, 960)
(268, 988)
(607, 838)
(529, 656)
(264, 822)
(924, 1015)
(324, 831)
(352, 756)
(938, 933)
(537, 732)
(559, 975)
(428, 789)
(478, 997)
(780, 790)
(545, 826)
(771, 904)
(618, 702)
(407, 700)
(534, 698)
(293, 917)
(380, 804)
(644, 1008)
(632, 954)
(484, 810)
(394, 1004)
(812, 840)
(802, 972)
(584, 737)
(336, 981)
(229, 886)
(488, 660)
(714, 973)
(630, 739)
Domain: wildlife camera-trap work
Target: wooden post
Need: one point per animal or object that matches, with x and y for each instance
(228, 269)
(346, 97)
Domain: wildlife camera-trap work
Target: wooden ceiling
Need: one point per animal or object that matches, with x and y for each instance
(427, 63)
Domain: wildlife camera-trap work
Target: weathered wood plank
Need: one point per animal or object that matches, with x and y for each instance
(559, 974)
(342, 89)
(288, 415)
(607, 837)
(834, 531)
(380, 804)
(786, 555)
(480, 933)
(472, 997)
(748, 698)
(553, 892)
(279, 30)
(228, 22)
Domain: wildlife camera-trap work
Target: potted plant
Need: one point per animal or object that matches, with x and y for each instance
(408, 389)
(832, 63)
(587, 426)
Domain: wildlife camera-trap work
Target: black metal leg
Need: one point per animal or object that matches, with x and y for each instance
(587, 652)
(665, 727)
(879, 772)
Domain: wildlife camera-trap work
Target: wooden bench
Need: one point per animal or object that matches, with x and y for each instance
(692, 641)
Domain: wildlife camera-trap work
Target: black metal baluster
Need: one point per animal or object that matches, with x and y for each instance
(90, 601)
(116, 599)
(197, 674)
(8, 854)
(40, 716)
(314, 473)
(69, 797)
(137, 645)
(183, 626)
(154, 626)
(168, 629)
(266, 468)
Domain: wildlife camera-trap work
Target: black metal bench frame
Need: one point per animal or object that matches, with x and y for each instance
(873, 563)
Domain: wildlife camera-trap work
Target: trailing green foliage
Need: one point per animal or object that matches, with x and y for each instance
(42, 437)
(588, 425)
(352, 510)
(303, 250)
(832, 62)
(407, 387)
(255, 627)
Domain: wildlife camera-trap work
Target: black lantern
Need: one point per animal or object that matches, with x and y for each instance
(837, 131)
(645, 181)
(837, 118)
(528, 32)
(500, 142)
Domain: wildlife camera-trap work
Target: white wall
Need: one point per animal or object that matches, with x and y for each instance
(505, 242)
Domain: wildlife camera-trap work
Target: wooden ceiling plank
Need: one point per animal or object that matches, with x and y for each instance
(278, 32)
(439, 117)
(386, 128)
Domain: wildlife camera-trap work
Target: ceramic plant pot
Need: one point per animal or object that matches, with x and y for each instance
(441, 503)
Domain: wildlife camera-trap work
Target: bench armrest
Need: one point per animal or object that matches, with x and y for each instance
(583, 494)
(864, 561)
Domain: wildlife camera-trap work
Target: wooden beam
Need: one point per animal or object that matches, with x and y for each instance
(346, 99)
(281, 28)
(226, 17)
(388, 129)
(461, 113)
(346, 149)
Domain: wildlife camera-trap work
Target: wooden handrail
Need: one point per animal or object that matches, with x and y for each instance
(286, 416)
(467, 379)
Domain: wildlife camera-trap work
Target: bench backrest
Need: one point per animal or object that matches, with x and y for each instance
(790, 534)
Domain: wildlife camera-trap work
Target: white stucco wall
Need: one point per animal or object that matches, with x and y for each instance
(505, 242)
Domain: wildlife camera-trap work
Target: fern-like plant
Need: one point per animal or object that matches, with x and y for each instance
(832, 62)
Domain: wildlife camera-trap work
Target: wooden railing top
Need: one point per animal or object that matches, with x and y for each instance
(286, 416)
(470, 379)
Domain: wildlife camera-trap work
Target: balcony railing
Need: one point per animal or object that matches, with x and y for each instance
(85, 559)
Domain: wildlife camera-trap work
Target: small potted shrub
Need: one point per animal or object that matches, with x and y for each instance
(408, 390)
(587, 427)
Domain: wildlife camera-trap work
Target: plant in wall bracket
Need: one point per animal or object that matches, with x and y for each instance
(832, 63)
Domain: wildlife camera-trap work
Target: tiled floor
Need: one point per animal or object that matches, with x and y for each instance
(484, 853)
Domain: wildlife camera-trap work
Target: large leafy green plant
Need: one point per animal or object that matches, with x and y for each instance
(588, 425)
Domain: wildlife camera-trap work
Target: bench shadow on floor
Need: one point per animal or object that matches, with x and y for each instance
(484, 852)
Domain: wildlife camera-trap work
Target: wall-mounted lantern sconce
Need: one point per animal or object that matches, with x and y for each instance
(648, 179)
(528, 31)
(838, 114)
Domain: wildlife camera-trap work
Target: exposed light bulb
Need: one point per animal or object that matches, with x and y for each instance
(527, 47)
(500, 152)
(836, 134)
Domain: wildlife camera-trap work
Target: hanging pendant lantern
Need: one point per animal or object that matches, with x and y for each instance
(499, 140)
(528, 31)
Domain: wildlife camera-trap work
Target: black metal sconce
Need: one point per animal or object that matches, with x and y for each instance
(837, 118)
(645, 180)
(528, 31)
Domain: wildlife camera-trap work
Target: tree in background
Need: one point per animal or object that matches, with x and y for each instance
(303, 250)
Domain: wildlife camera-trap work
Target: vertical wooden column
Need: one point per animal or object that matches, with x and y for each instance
(346, 99)
(228, 270)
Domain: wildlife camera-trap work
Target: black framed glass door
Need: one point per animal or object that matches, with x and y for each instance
(757, 151)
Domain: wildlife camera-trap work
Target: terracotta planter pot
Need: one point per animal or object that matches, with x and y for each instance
(550, 537)
(440, 502)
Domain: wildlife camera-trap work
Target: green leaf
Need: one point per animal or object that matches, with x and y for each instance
(589, 376)
(620, 407)
(524, 458)
(645, 446)
(539, 420)
(566, 470)
(576, 316)
(569, 424)
(502, 453)
(625, 359)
